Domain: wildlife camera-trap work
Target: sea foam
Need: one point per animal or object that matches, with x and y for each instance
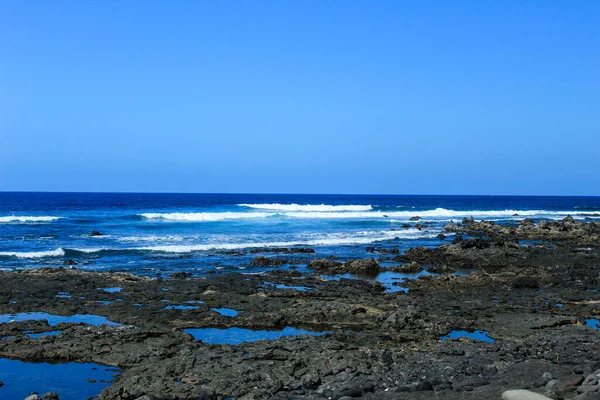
(204, 217)
(27, 218)
(307, 207)
(34, 254)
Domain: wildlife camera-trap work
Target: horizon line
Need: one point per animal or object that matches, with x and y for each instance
(294, 194)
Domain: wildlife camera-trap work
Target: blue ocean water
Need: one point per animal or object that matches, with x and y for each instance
(162, 233)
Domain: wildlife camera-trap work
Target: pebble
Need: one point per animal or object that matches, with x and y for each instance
(522, 395)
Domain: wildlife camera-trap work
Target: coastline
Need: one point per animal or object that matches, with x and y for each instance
(532, 291)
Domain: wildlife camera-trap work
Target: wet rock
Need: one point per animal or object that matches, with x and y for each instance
(525, 282)
(411, 267)
(325, 265)
(33, 397)
(416, 218)
(50, 396)
(180, 275)
(441, 236)
(69, 262)
(367, 266)
(1, 384)
(262, 261)
(96, 233)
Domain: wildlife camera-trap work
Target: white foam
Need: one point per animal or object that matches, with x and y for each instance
(335, 239)
(27, 218)
(33, 254)
(307, 207)
(205, 217)
(438, 213)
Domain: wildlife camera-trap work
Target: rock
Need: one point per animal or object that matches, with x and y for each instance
(548, 376)
(69, 262)
(425, 386)
(551, 384)
(262, 261)
(412, 267)
(525, 282)
(405, 225)
(417, 218)
(591, 379)
(522, 395)
(1, 384)
(180, 275)
(367, 266)
(33, 397)
(352, 390)
(441, 236)
(148, 397)
(587, 389)
(50, 396)
(95, 233)
(324, 265)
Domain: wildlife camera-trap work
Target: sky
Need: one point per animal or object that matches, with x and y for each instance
(339, 96)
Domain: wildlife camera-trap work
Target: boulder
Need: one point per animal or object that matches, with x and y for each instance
(262, 261)
(95, 233)
(417, 218)
(522, 395)
(366, 266)
(324, 265)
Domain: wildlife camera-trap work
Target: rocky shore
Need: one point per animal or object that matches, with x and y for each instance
(530, 298)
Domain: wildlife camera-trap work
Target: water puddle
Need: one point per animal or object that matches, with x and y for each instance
(475, 335)
(389, 279)
(103, 302)
(240, 335)
(71, 381)
(63, 295)
(111, 289)
(41, 334)
(90, 319)
(181, 307)
(226, 312)
(282, 286)
(594, 323)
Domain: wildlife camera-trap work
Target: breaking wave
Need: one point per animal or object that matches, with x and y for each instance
(307, 207)
(33, 254)
(204, 217)
(26, 218)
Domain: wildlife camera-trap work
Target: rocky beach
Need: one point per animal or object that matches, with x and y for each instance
(504, 306)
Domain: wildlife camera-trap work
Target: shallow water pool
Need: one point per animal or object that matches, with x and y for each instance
(475, 335)
(70, 380)
(241, 335)
(52, 319)
(226, 312)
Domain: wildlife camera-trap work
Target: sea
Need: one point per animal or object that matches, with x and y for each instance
(156, 234)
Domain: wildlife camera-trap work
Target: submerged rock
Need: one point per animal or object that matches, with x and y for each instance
(95, 233)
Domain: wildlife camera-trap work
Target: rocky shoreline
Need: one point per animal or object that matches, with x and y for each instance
(532, 289)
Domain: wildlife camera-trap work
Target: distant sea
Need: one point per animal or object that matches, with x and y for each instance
(157, 234)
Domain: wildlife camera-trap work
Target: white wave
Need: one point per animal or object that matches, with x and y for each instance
(307, 207)
(27, 218)
(336, 239)
(205, 217)
(438, 213)
(33, 254)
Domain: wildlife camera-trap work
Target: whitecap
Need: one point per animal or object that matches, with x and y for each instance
(204, 216)
(308, 207)
(34, 254)
(27, 218)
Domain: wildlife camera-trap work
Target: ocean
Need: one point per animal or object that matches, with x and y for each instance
(158, 234)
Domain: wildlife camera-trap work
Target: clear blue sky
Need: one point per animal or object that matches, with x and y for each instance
(446, 97)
